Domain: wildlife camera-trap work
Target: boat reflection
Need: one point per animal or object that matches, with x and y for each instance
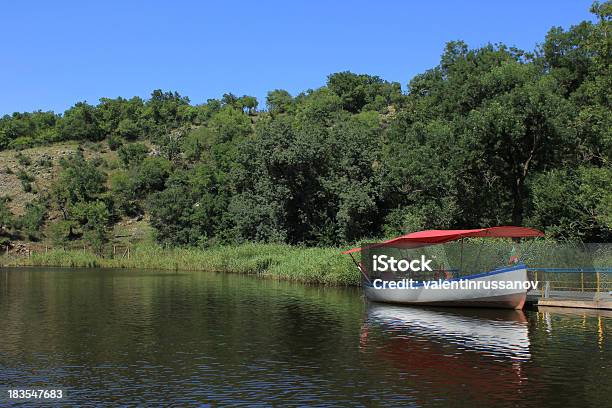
(481, 351)
(493, 332)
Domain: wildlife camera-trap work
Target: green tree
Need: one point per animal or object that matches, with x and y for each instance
(279, 101)
(78, 181)
(132, 154)
(248, 103)
(60, 232)
(151, 175)
(363, 91)
(81, 122)
(122, 188)
(94, 218)
(574, 203)
(178, 214)
(128, 129)
(33, 219)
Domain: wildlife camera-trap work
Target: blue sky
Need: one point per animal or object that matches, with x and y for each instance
(57, 53)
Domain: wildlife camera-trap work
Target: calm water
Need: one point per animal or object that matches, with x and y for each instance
(132, 337)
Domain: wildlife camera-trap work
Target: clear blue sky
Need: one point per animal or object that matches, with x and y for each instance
(56, 53)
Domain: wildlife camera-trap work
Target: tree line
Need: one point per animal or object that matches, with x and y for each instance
(490, 136)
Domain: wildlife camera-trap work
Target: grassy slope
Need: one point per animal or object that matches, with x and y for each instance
(44, 175)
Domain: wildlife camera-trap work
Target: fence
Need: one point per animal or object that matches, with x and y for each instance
(109, 250)
(579, 283)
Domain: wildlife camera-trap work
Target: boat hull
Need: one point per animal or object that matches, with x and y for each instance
(512, 298)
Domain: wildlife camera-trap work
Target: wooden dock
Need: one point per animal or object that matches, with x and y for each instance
(583, 300)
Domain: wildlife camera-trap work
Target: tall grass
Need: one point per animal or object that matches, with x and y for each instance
(277, 261)
(319, 265)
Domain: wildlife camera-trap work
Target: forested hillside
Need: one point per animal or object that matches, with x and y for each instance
(490, 136)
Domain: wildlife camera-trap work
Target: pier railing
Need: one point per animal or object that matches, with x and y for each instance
(579, 283)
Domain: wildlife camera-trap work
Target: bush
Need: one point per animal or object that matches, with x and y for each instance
(114, 142)
(122, 189)
(20, 143)
(60, 232)
(132, 154)
(151, 175)
(98, 161)
(26, 180)
(22, 159)
(6, 216)
(128, 129)
(45, 161)
(33, 219)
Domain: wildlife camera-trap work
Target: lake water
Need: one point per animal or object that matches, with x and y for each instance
(136, 337)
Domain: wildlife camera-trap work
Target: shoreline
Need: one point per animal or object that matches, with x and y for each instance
(323, 266)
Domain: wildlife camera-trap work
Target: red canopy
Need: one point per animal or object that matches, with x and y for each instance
(442, 236)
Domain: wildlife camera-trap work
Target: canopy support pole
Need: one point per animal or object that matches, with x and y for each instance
(360, 269)
(461, 258)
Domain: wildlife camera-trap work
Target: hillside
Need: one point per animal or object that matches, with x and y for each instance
(42, 164)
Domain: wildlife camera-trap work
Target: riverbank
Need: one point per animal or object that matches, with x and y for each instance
(324, 266)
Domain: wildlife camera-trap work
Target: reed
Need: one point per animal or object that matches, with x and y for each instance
(319, 265)
(276, 261)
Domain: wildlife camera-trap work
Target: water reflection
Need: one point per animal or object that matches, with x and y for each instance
(147, 337)
(481, 355)
(496, 333)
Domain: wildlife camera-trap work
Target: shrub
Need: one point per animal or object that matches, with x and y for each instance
(6, 216)
(132, 154)
(22, 159)
(98, 161)
(26, 180)
(22, 142)
(45, 161)
(114, 142)
(60, 232)
(33, 219)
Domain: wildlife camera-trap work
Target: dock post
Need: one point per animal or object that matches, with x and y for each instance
(541, 286)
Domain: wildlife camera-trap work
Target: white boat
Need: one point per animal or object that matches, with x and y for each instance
(484, 294)
(505, 287)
